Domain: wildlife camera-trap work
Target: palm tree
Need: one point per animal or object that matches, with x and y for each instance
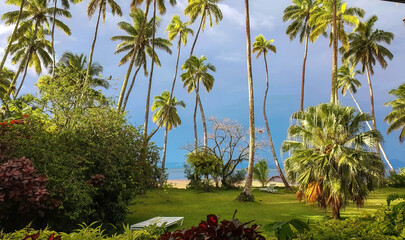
(247, 195)
(261, 172)
(166, 115)
(174, 29)
(336, 14)
(300, 13)
(38, 53)
(330, 157)
(196, 73)
(102, 9)
(128, 43)
(36, 14)
(66, 6)
(347, 81)
(206, 9)
(13, 34)
(365, 48)
(262, 46)
(6, 76)
(396, 118)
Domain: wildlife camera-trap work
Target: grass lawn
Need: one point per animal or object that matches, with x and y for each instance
(267, 208)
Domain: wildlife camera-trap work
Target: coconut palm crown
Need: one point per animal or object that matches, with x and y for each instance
(396, 118)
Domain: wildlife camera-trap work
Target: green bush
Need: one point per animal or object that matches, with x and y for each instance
(397, 180)
(95, 168)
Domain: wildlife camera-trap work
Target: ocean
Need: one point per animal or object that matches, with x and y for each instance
(178, 173)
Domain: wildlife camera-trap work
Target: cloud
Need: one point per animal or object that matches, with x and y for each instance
(5, 30)
(231, 57)
(232, 14)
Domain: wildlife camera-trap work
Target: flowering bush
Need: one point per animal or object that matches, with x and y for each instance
(211, 229)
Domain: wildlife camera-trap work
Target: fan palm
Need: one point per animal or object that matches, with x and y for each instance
(207, 9)
(36, 13)
(128, 43)
(331, 158)
(261, 172)
(300, 13)
(396, 118)
(197, 71)
(365, 48)
(347, 81)
(335, 14)
(102, 9)
(262, 46)
(166, 115)
(246, 194)
(38, 53)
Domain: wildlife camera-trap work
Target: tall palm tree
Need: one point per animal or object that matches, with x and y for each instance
(396, 118)
(365, 48)
(336, 14)
(300, 13)
(128, 43)
(262, 46)
(66, 6)
(348, 82)
(36, 13)
(196, 73)
(101, 5)
(180, 29)
(13, 34)
(330, 156)
(247, 195)
(166, 115)
(207, 9)
(38, 54)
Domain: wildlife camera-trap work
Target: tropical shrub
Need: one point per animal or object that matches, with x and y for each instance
(95, 167)
(289, 229)
(23, 194)
(211, 229)
(331, 158)
(261, 171)
(397, 180)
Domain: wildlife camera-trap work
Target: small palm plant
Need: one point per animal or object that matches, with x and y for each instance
(261, 172)
(331, 158)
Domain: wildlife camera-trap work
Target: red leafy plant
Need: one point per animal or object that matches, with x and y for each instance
(36, 236)
(23, 193)
(211, 229)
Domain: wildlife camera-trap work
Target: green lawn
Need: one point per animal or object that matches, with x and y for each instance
(267, 208)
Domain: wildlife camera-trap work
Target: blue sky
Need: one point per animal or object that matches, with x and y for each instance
(225, 47)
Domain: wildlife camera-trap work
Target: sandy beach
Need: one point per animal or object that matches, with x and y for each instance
(182, 183)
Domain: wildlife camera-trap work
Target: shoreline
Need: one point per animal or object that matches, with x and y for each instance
(182, 183)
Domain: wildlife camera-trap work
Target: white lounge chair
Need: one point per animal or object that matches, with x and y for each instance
(159, 221)
(270, 189)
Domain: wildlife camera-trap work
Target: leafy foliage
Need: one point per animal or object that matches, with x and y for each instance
(289, 229)
(211, 229)
(397, 180)
(23, 194)
(396, 118)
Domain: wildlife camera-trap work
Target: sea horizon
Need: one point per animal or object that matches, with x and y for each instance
(178, 173)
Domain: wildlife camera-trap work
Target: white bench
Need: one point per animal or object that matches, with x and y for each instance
(270, 189)
(159, 221)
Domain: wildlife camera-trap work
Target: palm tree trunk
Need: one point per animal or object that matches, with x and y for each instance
(131, 86)
(7, 50)
(53, 40)
(93, 45)
(247, 192)
(273, 151)
(125, 83)
(164, 150)
(172, 90)
(23, 78)
(204, 123)
(369, 127)
(333, 95)
(145, 125)
(195, 120)
(303, 69)
(198, 32)
(20, 68)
